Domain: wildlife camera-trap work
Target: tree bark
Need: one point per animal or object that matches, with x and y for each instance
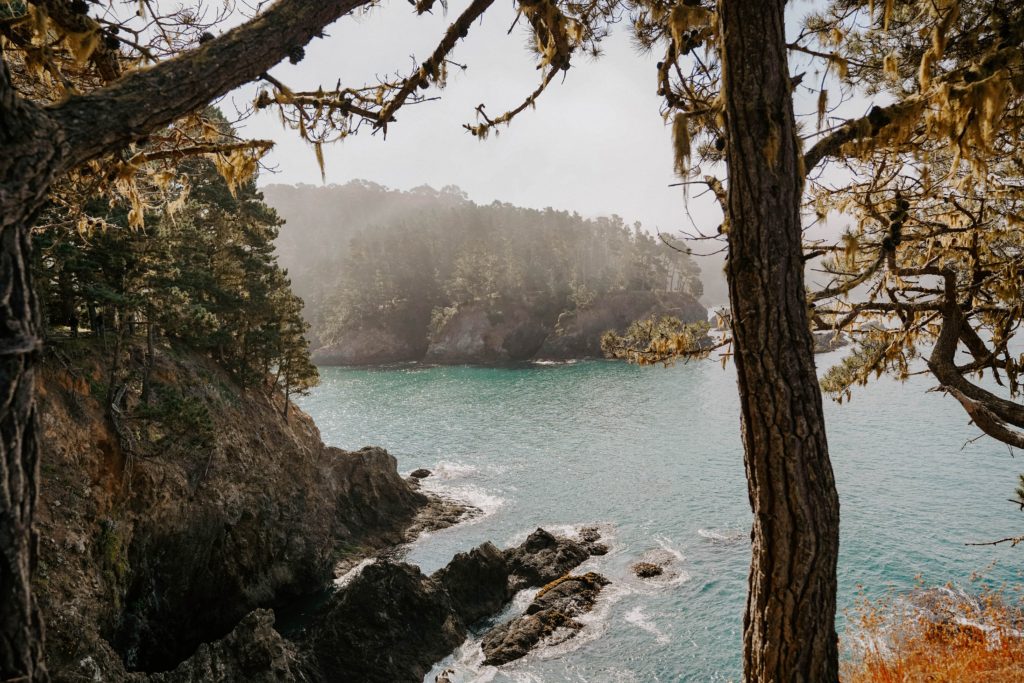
(789, 626)
(31, 145)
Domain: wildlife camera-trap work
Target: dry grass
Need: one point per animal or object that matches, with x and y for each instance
(941, 636)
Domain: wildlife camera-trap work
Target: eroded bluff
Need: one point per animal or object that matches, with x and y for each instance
(172, 529)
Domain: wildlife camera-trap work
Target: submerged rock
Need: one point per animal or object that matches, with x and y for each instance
(646, 570)
(553, 611)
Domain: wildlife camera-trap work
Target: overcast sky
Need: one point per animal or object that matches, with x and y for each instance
(595, 144)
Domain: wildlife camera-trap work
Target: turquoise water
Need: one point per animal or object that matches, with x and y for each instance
(653, 456)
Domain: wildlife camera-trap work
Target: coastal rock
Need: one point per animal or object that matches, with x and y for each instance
(391, 623)
(578, 334)
(646, 570)
(372, 346)
(477, 582)
(476, 333)
(551, 615)
(439, 513)
(543, 557)
(590, 537)
(190, 521)
(388, 625)
(495, 333)
(421, 473)
(252, 652)
(829, 340)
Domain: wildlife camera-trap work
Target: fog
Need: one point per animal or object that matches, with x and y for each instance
(595, 144)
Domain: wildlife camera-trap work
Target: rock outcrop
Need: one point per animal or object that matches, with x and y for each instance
(162, 532)
(391, 623)
(829, 340)
(487, 334)
(253, 652)
(646, 570)
(551, 616)
(475, 333)
(543, 557)
(578, 334)
(372, 346)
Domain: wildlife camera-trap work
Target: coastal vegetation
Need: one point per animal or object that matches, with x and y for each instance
(943, 635)
(202, 272)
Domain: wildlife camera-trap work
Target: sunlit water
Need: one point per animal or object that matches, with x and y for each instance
(653, 456)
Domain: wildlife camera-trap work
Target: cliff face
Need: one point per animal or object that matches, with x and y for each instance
(578, 334)
(161, 528)
(480, 334)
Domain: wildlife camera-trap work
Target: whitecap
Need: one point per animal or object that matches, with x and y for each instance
(352, 573)
(487, 502)
(446, 469)
(637, 617)
(595, 623)
(722, 535)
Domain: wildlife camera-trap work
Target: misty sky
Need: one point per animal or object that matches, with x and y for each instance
(595, 144)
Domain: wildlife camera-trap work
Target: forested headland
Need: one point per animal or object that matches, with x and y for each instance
(391, 275)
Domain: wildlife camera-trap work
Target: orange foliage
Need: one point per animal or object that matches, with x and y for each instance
(947, 639)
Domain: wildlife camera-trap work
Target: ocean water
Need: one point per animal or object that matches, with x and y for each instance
(653, 456)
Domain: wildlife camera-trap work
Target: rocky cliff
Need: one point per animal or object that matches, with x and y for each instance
(165, 523)
(493, 333)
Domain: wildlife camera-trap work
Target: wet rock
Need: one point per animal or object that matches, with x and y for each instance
(658, 564)
(646, 570)
(389, 624)
(590, 537)
(551, 615)
(543, 557)
(439, 513)
(253, 652)
(477, 582)
(421, 473)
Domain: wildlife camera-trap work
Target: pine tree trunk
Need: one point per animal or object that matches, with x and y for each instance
(789, 627)
(30, 149)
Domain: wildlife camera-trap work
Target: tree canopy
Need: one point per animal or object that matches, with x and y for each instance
(205, 274)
